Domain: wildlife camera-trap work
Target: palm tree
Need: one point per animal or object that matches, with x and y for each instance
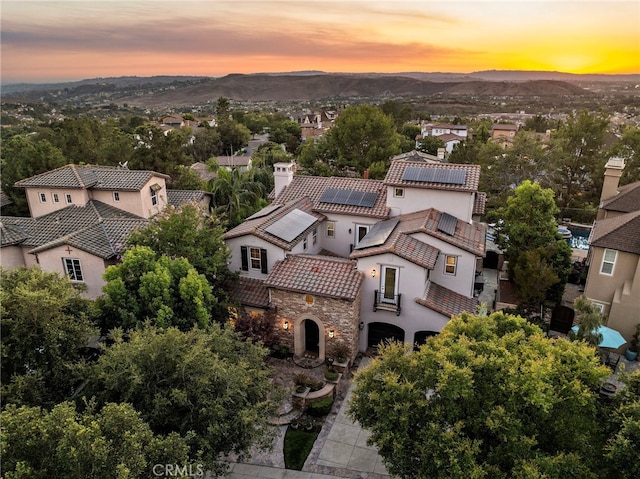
(236, 194)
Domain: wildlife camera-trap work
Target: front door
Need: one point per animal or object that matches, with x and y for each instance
(311, 337)
(389, 284)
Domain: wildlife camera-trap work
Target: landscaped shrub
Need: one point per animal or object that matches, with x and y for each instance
(281, 351)
(315, 385)
(320, 408)
(331, 374)
(341, 351)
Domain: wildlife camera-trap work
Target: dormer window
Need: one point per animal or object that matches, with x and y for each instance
(154, 193)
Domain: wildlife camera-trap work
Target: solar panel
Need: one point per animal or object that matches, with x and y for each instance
(378, 234)
(264, 212)
(291, 225)
(447, 224)
(434, 175)
(349, 197)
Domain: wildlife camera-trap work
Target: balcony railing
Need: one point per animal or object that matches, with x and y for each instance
(385, 303)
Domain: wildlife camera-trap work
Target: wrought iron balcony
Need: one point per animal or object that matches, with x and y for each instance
(387, 303)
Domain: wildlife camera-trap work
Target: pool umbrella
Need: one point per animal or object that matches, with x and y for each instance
(610, 337)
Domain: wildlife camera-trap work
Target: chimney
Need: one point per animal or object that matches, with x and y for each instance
(441, 154)
(282, 175)
(365, 174)
(612, 173)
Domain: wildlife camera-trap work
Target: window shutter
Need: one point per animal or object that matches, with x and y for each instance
(263, 260)
(245, 258)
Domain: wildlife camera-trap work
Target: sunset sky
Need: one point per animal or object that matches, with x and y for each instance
(72, 40)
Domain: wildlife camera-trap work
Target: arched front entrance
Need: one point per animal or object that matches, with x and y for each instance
(379, 332)
(309, 337)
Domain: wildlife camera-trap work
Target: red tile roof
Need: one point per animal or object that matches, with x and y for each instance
(621, 233)
(250, 292)
(479, 203)
(445, 301)
(397, 169)
(469, 237)
(257, 226)
(319, 275)
(314, 186)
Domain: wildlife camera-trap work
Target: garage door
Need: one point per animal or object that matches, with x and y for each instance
(379, 332)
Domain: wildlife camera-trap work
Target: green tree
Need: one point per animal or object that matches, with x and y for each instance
(589, 320)
(430, 144)
(66, 443)
(188, 232)
(487, 397)
(207, 385)
(288, 133)
(207, 143)
(23, 157)
(45, 326)
(236, 195)
(233, 136)
(529, 225)
(579, 154)
(159, 152)
(401, 113)
(144, 287)
(361, 135)
(628, 147)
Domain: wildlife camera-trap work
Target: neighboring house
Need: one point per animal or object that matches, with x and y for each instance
(229, 163)
(503, 134)
(81, 217)
(417, 155)
(202, 169)
(361, 260)
(314, 124)
(437, 129)
(613, 281)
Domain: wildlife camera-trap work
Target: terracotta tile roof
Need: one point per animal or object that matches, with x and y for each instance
(319, 275)
(203, 171)
(626, 201)
(257, 226)
(447, 137)
(397, 168)
(96, 228)
(469, 237)
(314, 186)
(91, 177)
(250, 292)
(233, 160)
(446, 302)
(621, 233)
(479, 203)
(179, 197)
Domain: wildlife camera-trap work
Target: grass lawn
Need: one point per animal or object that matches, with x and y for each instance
(297, 446)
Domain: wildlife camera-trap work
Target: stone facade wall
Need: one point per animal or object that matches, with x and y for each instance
(341, 316)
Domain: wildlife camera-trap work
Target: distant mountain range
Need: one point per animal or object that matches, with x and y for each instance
(309, 85)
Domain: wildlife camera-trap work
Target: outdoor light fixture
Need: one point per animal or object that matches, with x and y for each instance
(285, 325)
(373, 273)
(331, 334)
(361, 325)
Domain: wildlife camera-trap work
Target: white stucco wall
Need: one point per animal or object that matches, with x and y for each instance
(274, 253)
(345, 232)
(12, 257)
(456, 203)
(38, 208)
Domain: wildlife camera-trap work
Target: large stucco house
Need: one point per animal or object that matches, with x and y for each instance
(81, 217)
(613, 281)
(361, 260)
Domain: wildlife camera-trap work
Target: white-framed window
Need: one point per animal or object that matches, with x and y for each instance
(73, 269)
(304, 243)
(154, 197)
(55, 197)
(398, 192)
(450, 264)
(314, 236)
(608, 261)
(361, 232)
(331, 229)
(255, 258)
(43, 197)
(598, 306)
(68, 198)
(116, 196)
(389, 284)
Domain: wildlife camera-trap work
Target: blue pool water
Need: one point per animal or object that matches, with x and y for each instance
(579, 238)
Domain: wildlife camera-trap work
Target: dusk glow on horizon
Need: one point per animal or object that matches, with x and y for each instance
(45, 41)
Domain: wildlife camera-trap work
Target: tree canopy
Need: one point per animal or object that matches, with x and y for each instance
(489, 397)
(207, 385)
(45, 327)
(146, 287)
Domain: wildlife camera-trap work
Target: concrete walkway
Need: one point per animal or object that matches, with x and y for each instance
(340, 451)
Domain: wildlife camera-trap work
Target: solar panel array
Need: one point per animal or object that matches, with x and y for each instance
(447, 224)
(291, 225)
(435, 175)
(264, 212)
(349, 197)
(378, 233)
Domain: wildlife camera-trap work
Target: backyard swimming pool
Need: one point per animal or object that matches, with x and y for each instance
(579, 237)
